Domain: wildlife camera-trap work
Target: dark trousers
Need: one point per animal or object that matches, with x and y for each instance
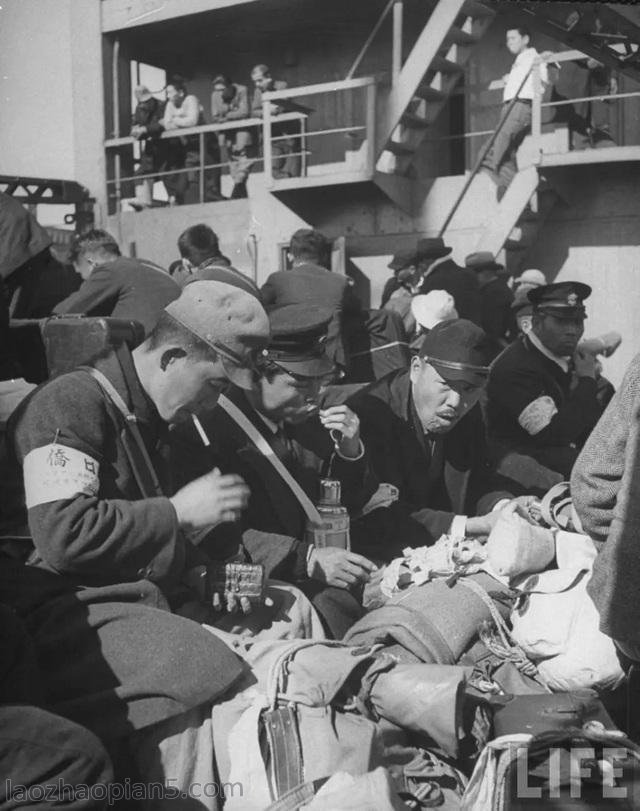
(47, 761)
(185, 186)
(500, 161)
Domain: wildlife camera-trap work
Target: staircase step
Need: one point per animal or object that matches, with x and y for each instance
(399, 149)
(512, 245)
(415, 122)
(429, 93)
(445, 65)
(529, 215)
(456, 36)
(472, 8)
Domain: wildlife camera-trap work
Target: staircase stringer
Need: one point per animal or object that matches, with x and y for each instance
(426, 48)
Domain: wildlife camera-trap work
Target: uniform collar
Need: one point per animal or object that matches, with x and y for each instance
(563, 363)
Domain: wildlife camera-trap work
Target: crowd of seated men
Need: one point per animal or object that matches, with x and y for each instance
(147, 471)
(179, 158)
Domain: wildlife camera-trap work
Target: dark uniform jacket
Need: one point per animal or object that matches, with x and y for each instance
(436, 480)
(106, 561)
(461, 283)
(127, 288)
(149, 114)
(522, 376)
(496, 313)
(274, 521)
(308, 283)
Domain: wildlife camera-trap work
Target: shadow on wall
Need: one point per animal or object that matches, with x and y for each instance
(598, 206)
(361, 284)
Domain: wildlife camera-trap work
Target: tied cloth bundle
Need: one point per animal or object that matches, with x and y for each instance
(449, 556)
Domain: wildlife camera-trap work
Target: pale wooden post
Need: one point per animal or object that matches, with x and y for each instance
(536, 108)
(266, 140)
(201, 178)
(396, 52)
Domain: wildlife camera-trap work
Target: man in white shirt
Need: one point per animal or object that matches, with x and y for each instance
(183, 111)
(500, 161)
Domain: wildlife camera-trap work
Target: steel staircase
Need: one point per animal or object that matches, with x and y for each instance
(518, 218)
(426, 80)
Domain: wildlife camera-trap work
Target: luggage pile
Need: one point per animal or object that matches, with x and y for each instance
(512, 716)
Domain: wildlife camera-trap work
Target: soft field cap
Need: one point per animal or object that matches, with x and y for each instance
(431, 308)
(458, 350)
(531, 276)
(229, 319)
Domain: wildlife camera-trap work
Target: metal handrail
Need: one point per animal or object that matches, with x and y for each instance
(274, 97)
(370, 39)
(600, 97)
(238, 124)
(315, 89)
(483, 154)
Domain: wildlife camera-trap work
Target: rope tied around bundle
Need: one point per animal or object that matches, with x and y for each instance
(496, 635)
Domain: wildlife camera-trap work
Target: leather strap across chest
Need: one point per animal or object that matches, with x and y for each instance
(136, 451)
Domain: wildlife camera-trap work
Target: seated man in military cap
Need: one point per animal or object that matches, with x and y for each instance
(542, 393)
(424, 433)
(285, 422)
(495, 298)
(108, 526)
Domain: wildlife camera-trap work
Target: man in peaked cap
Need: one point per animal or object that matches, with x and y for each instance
(437, 271)
(495, 298)
(108, 525)
(283, 407)
(542, 394)
(424, 434)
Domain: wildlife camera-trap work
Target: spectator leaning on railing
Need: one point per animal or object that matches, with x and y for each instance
(146, 127)
(285, 164)
(183, 111)
(230, 102)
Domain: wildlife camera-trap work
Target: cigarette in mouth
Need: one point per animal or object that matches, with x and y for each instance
(201, 431)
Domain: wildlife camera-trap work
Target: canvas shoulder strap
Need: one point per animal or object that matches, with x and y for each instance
(142, 466)
(245, 424)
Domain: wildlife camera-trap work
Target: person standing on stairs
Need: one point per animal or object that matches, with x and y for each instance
(515, 121)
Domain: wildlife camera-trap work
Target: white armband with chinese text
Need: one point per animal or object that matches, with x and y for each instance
(537, 415)
(55, 472)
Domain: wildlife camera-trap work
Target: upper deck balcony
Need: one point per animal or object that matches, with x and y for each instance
(405, 96)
